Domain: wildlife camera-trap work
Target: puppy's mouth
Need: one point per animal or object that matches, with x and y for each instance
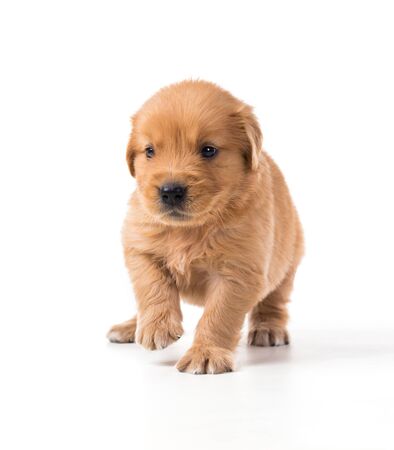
(177, 214)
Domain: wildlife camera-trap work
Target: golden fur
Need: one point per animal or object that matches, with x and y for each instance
(237, 244)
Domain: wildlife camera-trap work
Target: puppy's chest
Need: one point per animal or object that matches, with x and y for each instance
(185, 254)
(181, 260)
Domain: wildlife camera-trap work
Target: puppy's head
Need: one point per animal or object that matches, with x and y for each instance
(192, 147)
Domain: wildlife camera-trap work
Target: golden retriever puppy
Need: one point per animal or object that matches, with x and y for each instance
(211, 222)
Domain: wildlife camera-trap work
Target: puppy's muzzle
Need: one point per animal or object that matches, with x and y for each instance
(173, 195)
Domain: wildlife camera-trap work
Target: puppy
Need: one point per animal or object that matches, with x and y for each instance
(211, 222)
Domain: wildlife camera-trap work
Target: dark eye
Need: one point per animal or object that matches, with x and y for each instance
(208, 151)
(149, 152)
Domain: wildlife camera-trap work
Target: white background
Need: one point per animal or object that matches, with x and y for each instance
(320, 75)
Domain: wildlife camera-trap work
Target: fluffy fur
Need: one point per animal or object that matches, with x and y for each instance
(235, 246)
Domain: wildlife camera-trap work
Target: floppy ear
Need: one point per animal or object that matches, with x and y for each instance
(132, 147)
(254, 135)
(130, 154)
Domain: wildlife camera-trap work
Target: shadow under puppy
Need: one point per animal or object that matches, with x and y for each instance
(211, 222)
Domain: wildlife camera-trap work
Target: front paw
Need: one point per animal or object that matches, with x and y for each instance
(158, 333)
(201, 359)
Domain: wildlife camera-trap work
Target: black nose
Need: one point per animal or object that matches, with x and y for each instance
(172, 194)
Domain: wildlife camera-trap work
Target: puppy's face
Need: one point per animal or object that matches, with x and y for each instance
(192, 146)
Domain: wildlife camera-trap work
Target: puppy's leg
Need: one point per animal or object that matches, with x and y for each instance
(159, 315)
(268, 319)
(218, 330)
(159, 319)
(123, 332)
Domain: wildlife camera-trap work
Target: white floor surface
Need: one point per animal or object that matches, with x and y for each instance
(328, 390)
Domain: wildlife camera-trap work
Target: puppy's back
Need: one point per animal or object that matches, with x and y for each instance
(288, 234)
